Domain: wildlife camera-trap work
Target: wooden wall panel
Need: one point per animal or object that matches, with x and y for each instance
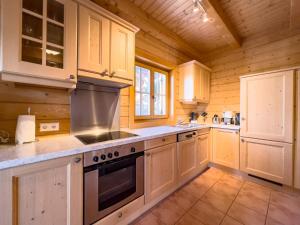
(257, 54)
(47, 104)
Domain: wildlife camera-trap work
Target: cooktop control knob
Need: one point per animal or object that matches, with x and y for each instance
(116, 153)
(132, 149)
(110, 155)
(103, 157)
(95, 158)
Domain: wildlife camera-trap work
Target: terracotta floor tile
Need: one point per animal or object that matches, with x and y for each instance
(206, 181)
(218, 200)
(225, 189)
(283, 215)
(233, 181)
(250, 199)
(188, 219)
(148, 219)
(206, 213)
(245, 215)
(168, 211)
(257, 190)
(230, 221)
(195, 189)
(271, 221)
(184, 199)
(286, 201)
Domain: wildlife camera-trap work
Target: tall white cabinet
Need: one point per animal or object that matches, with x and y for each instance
(267, 112)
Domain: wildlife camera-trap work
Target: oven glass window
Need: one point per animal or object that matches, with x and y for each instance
(117, 181)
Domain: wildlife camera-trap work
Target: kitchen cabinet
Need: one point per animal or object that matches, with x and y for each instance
(267, 159)
(225, 147)
(267, 105)
(203, 150)
(161, 166)
(106, 46)
(194, 83)
(187, 159)
(39, 44)
(48, 192)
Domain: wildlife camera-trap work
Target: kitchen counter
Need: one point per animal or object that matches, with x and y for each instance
(48, 148)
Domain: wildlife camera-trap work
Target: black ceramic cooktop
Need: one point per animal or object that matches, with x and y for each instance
(107, 136)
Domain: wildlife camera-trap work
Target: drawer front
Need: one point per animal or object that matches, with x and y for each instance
(122, 215)
(160, 141)
(203, 131)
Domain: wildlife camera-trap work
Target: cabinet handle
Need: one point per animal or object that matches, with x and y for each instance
(104, 73)
(242, 140)
(72, 77)
(77, 160)
(112, 74)
(120, 214)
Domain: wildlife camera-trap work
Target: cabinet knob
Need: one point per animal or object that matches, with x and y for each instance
(148, 154)
(104, 73)
(242, 140)
(72, 77)
(243, 118)
(120, 214)
(163, 139)
(77, 160)
(112, 74)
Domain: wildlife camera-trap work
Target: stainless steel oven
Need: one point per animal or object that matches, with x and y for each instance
(113, 177)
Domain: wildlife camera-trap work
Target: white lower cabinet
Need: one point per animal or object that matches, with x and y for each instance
(48, 192)
(160, 171)
(225, 147)
(187, 159)
(267, 159)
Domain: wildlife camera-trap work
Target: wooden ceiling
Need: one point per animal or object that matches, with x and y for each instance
(230, 22)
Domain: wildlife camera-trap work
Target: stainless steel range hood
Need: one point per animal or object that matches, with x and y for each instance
(101, 82)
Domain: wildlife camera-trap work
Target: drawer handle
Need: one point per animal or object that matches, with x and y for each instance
(104, 73)
(163, 139)
(189, 135)
(112, 74)
(77, 160)
(120, 214)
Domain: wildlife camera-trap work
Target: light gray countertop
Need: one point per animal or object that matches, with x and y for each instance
(66, 145)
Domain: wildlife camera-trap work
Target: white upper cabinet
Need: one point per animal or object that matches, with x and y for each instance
(267, 106)
(39, 43)
(106, 45)
(194, 83)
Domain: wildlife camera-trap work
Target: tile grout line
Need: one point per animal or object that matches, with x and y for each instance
(269, 202)
(199, 198)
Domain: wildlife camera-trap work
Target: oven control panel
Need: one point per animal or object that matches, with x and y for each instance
(107, 154)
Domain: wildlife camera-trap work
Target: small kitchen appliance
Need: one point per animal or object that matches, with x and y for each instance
(194, 117)
(237, 119)
(227, 116)
(215, 119)
(25, 131)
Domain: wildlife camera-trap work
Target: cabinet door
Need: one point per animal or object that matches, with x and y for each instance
(187, 159)
(267, 159)
(44, 193)
(160, 171)
(205, 85)
(226, 147)
(203, 150)
(93, 45)
(39, 40)
(267, 106)
(122, 52)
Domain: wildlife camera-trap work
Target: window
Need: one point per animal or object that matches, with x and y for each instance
(151, 92)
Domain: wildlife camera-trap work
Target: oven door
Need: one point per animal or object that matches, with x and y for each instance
(111, 185)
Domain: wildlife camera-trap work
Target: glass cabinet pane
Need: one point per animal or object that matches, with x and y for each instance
(55, 34)
(31, 51)
(54, 57)
(34, 6)
(32, 26)
(55, 11)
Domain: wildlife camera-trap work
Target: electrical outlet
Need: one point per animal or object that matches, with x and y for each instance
(44, 127)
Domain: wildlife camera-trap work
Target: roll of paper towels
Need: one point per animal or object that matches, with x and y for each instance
(25, 131)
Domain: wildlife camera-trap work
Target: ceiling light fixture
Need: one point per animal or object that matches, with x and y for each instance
(199, 6)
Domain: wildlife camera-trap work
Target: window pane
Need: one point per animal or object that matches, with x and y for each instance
(145, 80)
(55, 11)
(137, 78)
(34, 6)
(160, 83)
(160, 105)
(145, 108)
(31, 51)
(54, 57)
(137, 104)
(32, 26)
(55, 34)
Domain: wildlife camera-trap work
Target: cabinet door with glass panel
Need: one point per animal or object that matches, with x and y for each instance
(151, 92)
(39, 39)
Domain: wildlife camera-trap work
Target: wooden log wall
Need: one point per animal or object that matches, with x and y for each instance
(257, 54)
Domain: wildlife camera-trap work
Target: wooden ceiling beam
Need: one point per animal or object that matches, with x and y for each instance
(149, 25)
(222, 23)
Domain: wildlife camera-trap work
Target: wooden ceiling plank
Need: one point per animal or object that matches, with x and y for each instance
(223, 24)
(295, 14)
